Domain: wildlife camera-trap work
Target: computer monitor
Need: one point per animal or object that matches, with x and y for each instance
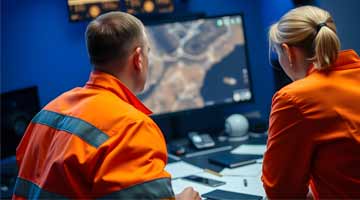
(18, 107)
(197, 63)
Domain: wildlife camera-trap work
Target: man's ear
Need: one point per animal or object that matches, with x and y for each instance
(289, 53)
(137, 59)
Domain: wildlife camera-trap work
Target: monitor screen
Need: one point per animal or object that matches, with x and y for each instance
(196, 63)
(90, 9)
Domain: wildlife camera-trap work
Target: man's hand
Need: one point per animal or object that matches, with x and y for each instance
(188, 194)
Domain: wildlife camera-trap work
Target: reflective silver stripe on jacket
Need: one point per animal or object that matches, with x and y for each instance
(29, 190)
(86, 131)
(155, 189)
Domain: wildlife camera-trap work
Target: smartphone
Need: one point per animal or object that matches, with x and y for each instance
(204, 181)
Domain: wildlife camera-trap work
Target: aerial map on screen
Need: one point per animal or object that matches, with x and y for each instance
(195, 64)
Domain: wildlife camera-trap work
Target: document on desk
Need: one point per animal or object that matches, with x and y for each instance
(246, 179)
(234, 178)
(233, 183)
(254, 185)
(181, 169)
(179, 185)
(250, 149)
(253, 170)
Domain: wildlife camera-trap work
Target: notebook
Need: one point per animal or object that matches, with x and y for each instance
(226, 195)
(234, 160)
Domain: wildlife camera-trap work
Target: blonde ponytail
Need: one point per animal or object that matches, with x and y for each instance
(326, 45)
(310, 28)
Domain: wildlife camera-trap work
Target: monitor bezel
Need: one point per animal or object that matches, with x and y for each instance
(197, 16)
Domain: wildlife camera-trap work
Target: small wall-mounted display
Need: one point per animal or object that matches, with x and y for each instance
(90, 9)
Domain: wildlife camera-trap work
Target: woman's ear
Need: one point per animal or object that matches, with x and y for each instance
(289, 53)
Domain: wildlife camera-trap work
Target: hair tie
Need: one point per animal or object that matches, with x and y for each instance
(319, 26)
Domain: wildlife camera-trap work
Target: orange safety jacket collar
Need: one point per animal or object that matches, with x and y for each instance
(347, 59)
(107, 81)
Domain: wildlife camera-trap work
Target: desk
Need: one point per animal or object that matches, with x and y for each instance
(234, 178)
(202, 160)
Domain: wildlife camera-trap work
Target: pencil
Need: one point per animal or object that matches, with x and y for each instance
(213, 172)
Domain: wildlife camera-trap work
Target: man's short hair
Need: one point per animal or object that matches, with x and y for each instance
(110, 36)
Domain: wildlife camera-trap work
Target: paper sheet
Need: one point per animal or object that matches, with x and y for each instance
(236, 184)
(233, 183)
(181, 169)
(250, 149)
(235, 179)
(253, 170)
(180, 184)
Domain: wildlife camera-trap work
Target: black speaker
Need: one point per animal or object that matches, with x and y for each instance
(17, 109)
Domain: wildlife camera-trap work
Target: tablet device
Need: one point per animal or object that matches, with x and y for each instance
(226, 195)
(234, 160)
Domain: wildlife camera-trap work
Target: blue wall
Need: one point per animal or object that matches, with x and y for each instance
(346, 14)
(41, 47)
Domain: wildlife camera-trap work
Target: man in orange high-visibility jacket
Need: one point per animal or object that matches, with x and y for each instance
(97, 141)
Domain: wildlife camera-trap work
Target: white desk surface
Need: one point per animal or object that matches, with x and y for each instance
(257, 149)
(234, 178)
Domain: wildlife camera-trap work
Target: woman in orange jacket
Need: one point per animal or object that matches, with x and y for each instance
(314, 134)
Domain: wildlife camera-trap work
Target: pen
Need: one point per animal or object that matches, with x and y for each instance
(174, 157)
(245, 182)
(213, 172)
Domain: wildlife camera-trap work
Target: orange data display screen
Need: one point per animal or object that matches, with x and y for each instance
(90, 9)
(149, 6)
(197, 63)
